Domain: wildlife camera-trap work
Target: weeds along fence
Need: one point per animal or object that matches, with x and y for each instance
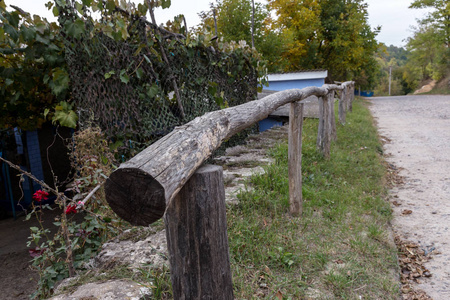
(168, 179)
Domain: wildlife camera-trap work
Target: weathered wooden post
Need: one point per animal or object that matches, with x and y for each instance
(295, 158)
(333, 131)
(351, 96)
(342, 108)
(196, 230)
(323, 135)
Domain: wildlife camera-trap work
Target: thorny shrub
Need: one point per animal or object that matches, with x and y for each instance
(84, 224)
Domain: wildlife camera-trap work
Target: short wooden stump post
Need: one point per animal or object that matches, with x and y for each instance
(324, 134)
(342, 107)
(295, 158)
(196, 230)
(332, 116)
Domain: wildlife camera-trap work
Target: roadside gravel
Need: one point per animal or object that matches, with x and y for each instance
(417, 129)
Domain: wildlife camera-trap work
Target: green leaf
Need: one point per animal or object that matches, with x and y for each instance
(62, 3)
(75, 29)
(124, 76)
(66, 118)
(87, 2)
(60, 81)
(11, 31)
(147, 59)
(55, 11)
(142, 8)
(110, 5)
(79, 7)
(28, 33)
(139, 73)
(165, 4)
(153, 90)
(109, 74)
(13, 18)
(9, 81)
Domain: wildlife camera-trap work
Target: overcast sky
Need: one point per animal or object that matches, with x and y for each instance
(394, 16)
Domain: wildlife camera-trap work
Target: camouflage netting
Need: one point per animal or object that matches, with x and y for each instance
(127, 88)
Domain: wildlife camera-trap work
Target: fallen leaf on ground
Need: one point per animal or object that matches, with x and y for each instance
(279, 295)
(406, 212)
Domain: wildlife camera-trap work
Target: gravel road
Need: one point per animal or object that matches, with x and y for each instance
(418, 128)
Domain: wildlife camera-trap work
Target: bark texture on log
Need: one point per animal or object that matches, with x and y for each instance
(196, 230)
(295, 159)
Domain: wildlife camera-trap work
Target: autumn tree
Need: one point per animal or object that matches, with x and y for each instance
(328, 34)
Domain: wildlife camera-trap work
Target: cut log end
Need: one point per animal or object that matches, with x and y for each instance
(135, 196)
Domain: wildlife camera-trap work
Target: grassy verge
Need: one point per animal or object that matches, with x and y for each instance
(340, 248)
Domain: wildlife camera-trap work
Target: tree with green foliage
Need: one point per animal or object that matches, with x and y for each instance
(430, 44)
(33, 73)
(393, 59)
(439, 17)
(234, 23)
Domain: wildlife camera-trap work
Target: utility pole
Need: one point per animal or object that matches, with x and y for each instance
(390, 73)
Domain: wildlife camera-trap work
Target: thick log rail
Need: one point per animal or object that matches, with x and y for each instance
(168, 179)
(141, 189)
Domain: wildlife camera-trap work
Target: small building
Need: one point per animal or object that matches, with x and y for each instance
(292, 80)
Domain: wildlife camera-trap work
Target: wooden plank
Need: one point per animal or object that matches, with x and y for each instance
(295, 158)
(196, 229)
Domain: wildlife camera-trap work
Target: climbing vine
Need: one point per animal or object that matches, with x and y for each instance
(133, 79)
(33, 72)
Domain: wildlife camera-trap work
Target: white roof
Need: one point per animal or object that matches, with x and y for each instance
(298, 75)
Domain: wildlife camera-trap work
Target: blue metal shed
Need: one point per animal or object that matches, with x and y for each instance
(285, 81)
(296, 80)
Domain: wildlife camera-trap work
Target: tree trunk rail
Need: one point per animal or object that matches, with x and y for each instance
(141, 189)
(168, 179)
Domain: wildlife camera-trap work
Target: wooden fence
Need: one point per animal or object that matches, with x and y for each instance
(168, 179)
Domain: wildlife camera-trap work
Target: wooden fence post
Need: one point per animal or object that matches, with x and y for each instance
(323, 135)
(295, 158)
(352, 95)
(196, 230)
(342, 108)
(333, 130)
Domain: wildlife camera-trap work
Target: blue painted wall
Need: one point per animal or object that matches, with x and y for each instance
(294, 84)
(34, 155)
